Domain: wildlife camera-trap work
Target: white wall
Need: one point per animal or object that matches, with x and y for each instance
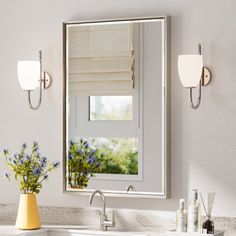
(203, 141)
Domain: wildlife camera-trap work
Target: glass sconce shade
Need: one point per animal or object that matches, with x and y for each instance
(190, 70)
(28, 74)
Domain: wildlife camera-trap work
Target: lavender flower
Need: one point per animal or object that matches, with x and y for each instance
(44, 160)
(5, 151)
(24, 164)
(45, 177)
(35, 146)
(91, 160)
(37, 171)
(56, 164)
(79, 152)
(7, 175)
(42, 165)
(70, 157)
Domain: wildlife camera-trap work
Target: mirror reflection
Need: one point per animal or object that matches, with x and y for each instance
(116, 107)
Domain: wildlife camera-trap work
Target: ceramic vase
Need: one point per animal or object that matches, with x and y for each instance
(28, 215)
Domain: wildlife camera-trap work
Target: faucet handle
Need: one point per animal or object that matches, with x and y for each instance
(105, 223)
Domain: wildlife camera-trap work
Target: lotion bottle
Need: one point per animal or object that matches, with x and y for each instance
(181, 217)
(194, 213)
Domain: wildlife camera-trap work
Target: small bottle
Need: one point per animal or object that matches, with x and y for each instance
(181, 217)
(194, 213)
(208, 226)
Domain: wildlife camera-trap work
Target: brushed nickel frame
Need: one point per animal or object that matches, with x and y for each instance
(45, 82)
(165, 193)
(204, 81)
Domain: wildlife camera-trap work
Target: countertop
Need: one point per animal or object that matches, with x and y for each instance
(10, 230)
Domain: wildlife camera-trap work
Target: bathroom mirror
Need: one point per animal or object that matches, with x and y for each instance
(116, 102)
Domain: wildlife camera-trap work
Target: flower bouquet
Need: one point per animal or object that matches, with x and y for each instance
(29, 170)
(82, 163)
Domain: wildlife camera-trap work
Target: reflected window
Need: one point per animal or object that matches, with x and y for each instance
(110, 108)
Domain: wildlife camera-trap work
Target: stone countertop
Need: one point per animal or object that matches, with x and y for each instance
(10, 230)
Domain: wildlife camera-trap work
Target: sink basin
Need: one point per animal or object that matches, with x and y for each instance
(76, 232)
(63, 231)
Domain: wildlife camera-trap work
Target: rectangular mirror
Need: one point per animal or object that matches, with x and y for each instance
(116, 119)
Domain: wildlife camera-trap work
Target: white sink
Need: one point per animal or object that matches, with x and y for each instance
(63, 231)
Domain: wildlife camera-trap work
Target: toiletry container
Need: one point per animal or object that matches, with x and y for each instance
(181, 217)
(194, 214)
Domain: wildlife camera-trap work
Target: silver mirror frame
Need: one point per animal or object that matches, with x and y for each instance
(165, 193)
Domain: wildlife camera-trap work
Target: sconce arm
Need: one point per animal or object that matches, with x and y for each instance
(39, 100)
(195, 106)
(45, 82)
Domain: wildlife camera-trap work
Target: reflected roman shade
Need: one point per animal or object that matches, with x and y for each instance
(101, 60)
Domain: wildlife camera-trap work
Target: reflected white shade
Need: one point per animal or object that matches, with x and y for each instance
(28, 74)
(190, 70)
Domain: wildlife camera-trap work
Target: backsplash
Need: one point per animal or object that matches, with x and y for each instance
(126, 220)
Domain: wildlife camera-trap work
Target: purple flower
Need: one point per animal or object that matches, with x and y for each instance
(21, 161)
(24, 146)
(35, 146)
(28, 157)
(56, 164)
(5, 151)
(42, 165)
(7, 175)
(45, 177)
(79, 152)
(37, 171)
(91, 160)
(70, 157)
(44, 160)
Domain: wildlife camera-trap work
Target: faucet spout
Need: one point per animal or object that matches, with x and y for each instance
(103, 200)
(104, 221)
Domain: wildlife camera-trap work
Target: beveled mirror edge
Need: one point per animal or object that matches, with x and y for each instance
(166, 156)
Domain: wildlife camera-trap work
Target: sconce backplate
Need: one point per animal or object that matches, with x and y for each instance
(206, 78)
(46, 80)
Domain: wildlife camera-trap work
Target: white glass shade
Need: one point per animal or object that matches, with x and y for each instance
(28, 74)
(190, 70)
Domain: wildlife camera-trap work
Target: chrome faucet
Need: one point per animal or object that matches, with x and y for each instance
(104, 222)
(130, 188)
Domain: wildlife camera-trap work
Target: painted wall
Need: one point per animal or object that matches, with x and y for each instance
(203, 141)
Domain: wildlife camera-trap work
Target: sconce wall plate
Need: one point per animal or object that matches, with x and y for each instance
(206, 78)
(46, 80)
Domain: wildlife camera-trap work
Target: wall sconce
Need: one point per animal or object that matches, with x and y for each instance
(192, 72)
(30, 76)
